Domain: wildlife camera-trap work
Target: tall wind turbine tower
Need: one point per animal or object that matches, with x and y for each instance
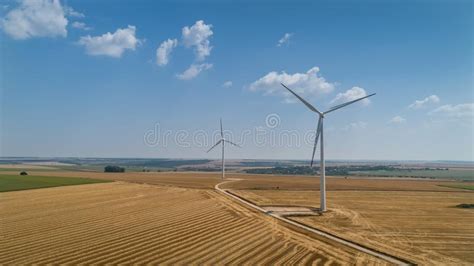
(320, 134)
(223, 141)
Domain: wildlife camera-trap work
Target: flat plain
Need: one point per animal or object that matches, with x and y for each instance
(23, 182)
(415, 220)
(175, 179)
(126, 223)
(455, 173)
(207, 180)
(178, 217)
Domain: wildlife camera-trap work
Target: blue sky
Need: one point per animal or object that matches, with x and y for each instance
(70, 89)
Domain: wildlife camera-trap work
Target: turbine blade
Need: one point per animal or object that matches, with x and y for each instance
(334, 108)
(312, 108)
(232, 143)
(222, 132)
(318, 131)
(219, 142)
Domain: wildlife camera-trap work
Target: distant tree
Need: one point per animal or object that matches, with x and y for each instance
(114, 169)
(465, 206)
(23, 173)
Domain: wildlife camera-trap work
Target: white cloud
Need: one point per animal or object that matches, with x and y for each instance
(164, 51)
(227, 84)
(418, 104)
(35, 18)
(70, 12)
(193, 71)
(80, 25)
(455, 111)
(397, 120)
(305, 84)
(356, 125)
(350, 95)
(197, 36)
(285, 39)
(111, 44)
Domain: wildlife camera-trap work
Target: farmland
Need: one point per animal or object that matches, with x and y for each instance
(175, 179)
(410, 223)
(302, 183)
(207, 180)
(170, 217)
(461, 186)
(21, 182)
(135, 223)
(457, 174)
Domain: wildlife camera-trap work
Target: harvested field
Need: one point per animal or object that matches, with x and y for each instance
(262, 182)
(25, 166)
(175, 179)
(424, 227)
(134, 223)
(207, 180)
(127, 222)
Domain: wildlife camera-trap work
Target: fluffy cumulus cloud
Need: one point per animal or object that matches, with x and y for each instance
(351, 94)
(80, 25)
(193, 71)
(227, 84)
(465, 111)
(197, 36)
(285, 39)
(305, 84)
(35, 18)
(164, 51)
(111, 44)
(418, 104)
(397, 120)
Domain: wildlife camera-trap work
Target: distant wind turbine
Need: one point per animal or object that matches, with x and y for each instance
(222, 141)
(319, 134)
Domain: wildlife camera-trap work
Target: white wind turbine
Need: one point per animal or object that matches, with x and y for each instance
(223, 141)
(319, 133)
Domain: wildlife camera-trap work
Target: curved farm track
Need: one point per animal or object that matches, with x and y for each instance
(135, 223)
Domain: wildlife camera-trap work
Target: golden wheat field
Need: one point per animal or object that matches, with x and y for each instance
(175, 179)
(113, 223)
(174, 217)
(301, 183)
(422, 226)
(207, 180)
